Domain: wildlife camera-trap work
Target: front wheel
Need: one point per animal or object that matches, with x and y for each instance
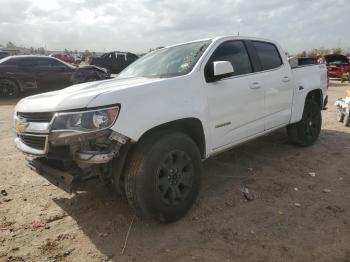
(163, 178)
(307, 130)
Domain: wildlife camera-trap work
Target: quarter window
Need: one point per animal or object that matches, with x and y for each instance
(268, 55)
(234, 52)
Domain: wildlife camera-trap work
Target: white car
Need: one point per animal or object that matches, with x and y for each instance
(148, 130)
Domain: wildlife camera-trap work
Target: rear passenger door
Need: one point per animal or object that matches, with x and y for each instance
(276, 77)
(236, 103)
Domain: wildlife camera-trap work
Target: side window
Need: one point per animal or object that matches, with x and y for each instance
(27, 62)
(49, 63)
(132, 57)
(55, 63)
(268, 55)
(11, 61)
(121, 57)
(112, 56)
(43, 62)
(234, 52)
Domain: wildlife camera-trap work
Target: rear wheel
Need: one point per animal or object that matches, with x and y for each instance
(163, 178)
(8, 88)
(307, 130)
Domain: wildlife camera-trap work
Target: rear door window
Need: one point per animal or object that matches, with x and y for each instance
(268, 55)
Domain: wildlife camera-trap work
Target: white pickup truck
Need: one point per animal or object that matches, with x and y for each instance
(148, 130)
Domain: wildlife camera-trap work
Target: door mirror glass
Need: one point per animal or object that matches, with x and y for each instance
(223, 68)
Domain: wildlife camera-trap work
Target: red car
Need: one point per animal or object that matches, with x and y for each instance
(65, 58)
(337, 65)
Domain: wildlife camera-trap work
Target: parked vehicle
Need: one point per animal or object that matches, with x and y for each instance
(21, 73)
(115, 62)
(66, 58)
(337, 65)
(343, 109)
(77, 58)
(302, 61)
(3, 54)
(148, 130)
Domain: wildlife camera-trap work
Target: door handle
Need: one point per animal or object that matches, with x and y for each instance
(255, 85)
(285, 79)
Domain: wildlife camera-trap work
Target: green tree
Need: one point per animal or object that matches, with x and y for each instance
(302, 54)
(41, 51)
(10, 45)
(337, 51)
(312, 53)
(87, 53)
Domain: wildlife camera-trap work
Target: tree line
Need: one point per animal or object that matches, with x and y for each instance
(321, 52)
(43, 51)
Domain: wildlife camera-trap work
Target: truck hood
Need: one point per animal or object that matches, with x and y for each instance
(78, 96)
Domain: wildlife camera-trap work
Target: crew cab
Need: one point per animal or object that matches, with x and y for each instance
(148, 130)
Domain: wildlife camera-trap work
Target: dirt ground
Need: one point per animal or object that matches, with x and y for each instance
(300, 209)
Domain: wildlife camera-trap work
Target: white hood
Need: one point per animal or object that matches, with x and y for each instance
(77, 96)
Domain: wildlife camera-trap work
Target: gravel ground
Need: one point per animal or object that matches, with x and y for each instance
(298, 207)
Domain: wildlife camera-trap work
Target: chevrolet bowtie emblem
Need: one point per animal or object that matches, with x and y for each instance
(21, 127)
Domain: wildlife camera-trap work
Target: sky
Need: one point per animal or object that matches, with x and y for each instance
(138, 25)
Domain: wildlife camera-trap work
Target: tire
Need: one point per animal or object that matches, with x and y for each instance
(162, 180)
(346, 120)
(307, 130)
(9, 88)
(340, 116)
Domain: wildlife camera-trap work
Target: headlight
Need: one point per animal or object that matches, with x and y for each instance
(86, 121)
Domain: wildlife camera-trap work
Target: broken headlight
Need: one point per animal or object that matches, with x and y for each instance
(86, 121)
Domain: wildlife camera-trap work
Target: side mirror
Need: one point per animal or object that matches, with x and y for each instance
(222, 69)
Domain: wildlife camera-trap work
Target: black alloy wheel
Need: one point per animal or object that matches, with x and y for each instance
(175, 177)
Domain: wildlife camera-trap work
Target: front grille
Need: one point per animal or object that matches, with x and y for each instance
(36, 117)
(37, 142)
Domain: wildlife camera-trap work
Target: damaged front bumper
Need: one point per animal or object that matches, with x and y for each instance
(67, 159)
(78, 145)
(68, 181)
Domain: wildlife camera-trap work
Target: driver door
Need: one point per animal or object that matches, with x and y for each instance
(236, 102)
(53, 74)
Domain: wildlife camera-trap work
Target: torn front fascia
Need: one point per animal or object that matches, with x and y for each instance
(109, 143)
(102, 157)
(98, 157)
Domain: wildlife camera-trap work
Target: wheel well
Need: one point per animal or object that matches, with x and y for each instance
(11, 79)
(191, 126)
(317, 96)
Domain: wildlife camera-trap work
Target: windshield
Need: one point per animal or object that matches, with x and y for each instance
(4, 59)
(167, 62)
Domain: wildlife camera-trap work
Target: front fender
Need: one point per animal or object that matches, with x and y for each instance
(146, 106)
